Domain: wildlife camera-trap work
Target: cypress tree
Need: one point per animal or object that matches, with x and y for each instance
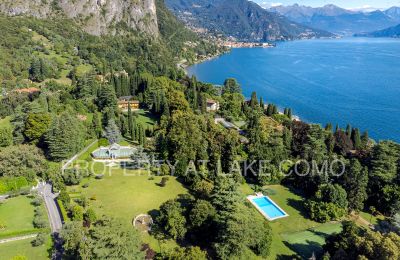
(337, 128)
(269, 110)
(290, 115)
(274, 110)
(96, 124)
(261, 103)
(365, 139)
(356, 138)
(348, 130)
(328, 127)
(253, 100)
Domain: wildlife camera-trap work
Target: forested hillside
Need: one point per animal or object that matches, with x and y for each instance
(242, 19)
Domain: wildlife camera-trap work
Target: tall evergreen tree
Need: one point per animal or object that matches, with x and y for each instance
(65, 137)
(113, 133)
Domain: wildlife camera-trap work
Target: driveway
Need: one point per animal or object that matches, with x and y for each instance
(45, 189)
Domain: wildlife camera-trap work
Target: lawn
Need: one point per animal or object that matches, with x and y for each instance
(24, 248)
(125, 197)
(17, 215)
(146, 118)
(295, 234)
(5, 122)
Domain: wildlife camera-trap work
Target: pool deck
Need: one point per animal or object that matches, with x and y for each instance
(251, 199)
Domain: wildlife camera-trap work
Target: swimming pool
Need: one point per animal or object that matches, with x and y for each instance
(267, 207)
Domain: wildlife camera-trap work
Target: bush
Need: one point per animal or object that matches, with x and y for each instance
(72, 177)
(99, 176)
(164, 181)
(102, 142)
(86, 185)
(39, 222)
(77, 213)
(37, 201)
(39, 240)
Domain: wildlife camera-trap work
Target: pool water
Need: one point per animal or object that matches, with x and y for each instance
(269, 208)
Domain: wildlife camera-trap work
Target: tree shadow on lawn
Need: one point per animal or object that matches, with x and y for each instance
(305, 251)
(298, 205)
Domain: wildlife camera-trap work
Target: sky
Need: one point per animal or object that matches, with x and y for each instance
(348, 4)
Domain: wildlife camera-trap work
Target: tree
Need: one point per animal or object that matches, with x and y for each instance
(22, 160)
(65, 137)
(172, 220)
(77, 213)
(6, 138)
(329, 203)
(113, 133)
(355, 182)
(231, 86)
(383, 180)
(107, 97)
(243, 231)
(253, 100)
(343, 143)
(36, 125)
(201, 212)
(96, 125)
(354, 243)
(106, 239)
(40, 239)
(110, 239)
(187, 253)
(356, 138)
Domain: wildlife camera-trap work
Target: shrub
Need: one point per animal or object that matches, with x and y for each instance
(77, 213)
(39, 240)
(37, 201)
(86, 185)
(39, 221)
(102, 142)
(99, 176)
(164, 181)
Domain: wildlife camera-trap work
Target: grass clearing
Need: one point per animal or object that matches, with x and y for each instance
(24, 248)
(17, 215)
(146, 118)
(295, 234)
(126, 196)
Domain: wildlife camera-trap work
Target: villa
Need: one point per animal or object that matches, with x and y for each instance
(212, 105)
(127, 101)
(113, 152)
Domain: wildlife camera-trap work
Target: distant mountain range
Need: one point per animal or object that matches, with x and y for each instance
(338, 20)
(393, 32)
(242, 19)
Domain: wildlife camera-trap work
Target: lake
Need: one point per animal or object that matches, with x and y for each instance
(350, 80)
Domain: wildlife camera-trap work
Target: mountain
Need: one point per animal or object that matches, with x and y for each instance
(393, 32)
(338, 20)
(393, 12)
(95, 16)
(242, 19)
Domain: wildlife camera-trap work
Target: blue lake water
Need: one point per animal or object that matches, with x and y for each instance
(351, 80)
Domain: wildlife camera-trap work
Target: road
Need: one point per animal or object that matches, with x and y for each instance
(45, 189)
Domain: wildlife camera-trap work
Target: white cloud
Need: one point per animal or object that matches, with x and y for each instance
(268, 4)
(365, 8)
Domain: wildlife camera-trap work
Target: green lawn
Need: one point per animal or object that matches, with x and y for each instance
(24, 248)
(5, 122)
(125, 197)
(295, 234)
(17, 215)
(146, 118)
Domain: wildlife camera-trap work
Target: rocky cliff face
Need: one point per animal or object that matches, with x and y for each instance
(96, 16)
